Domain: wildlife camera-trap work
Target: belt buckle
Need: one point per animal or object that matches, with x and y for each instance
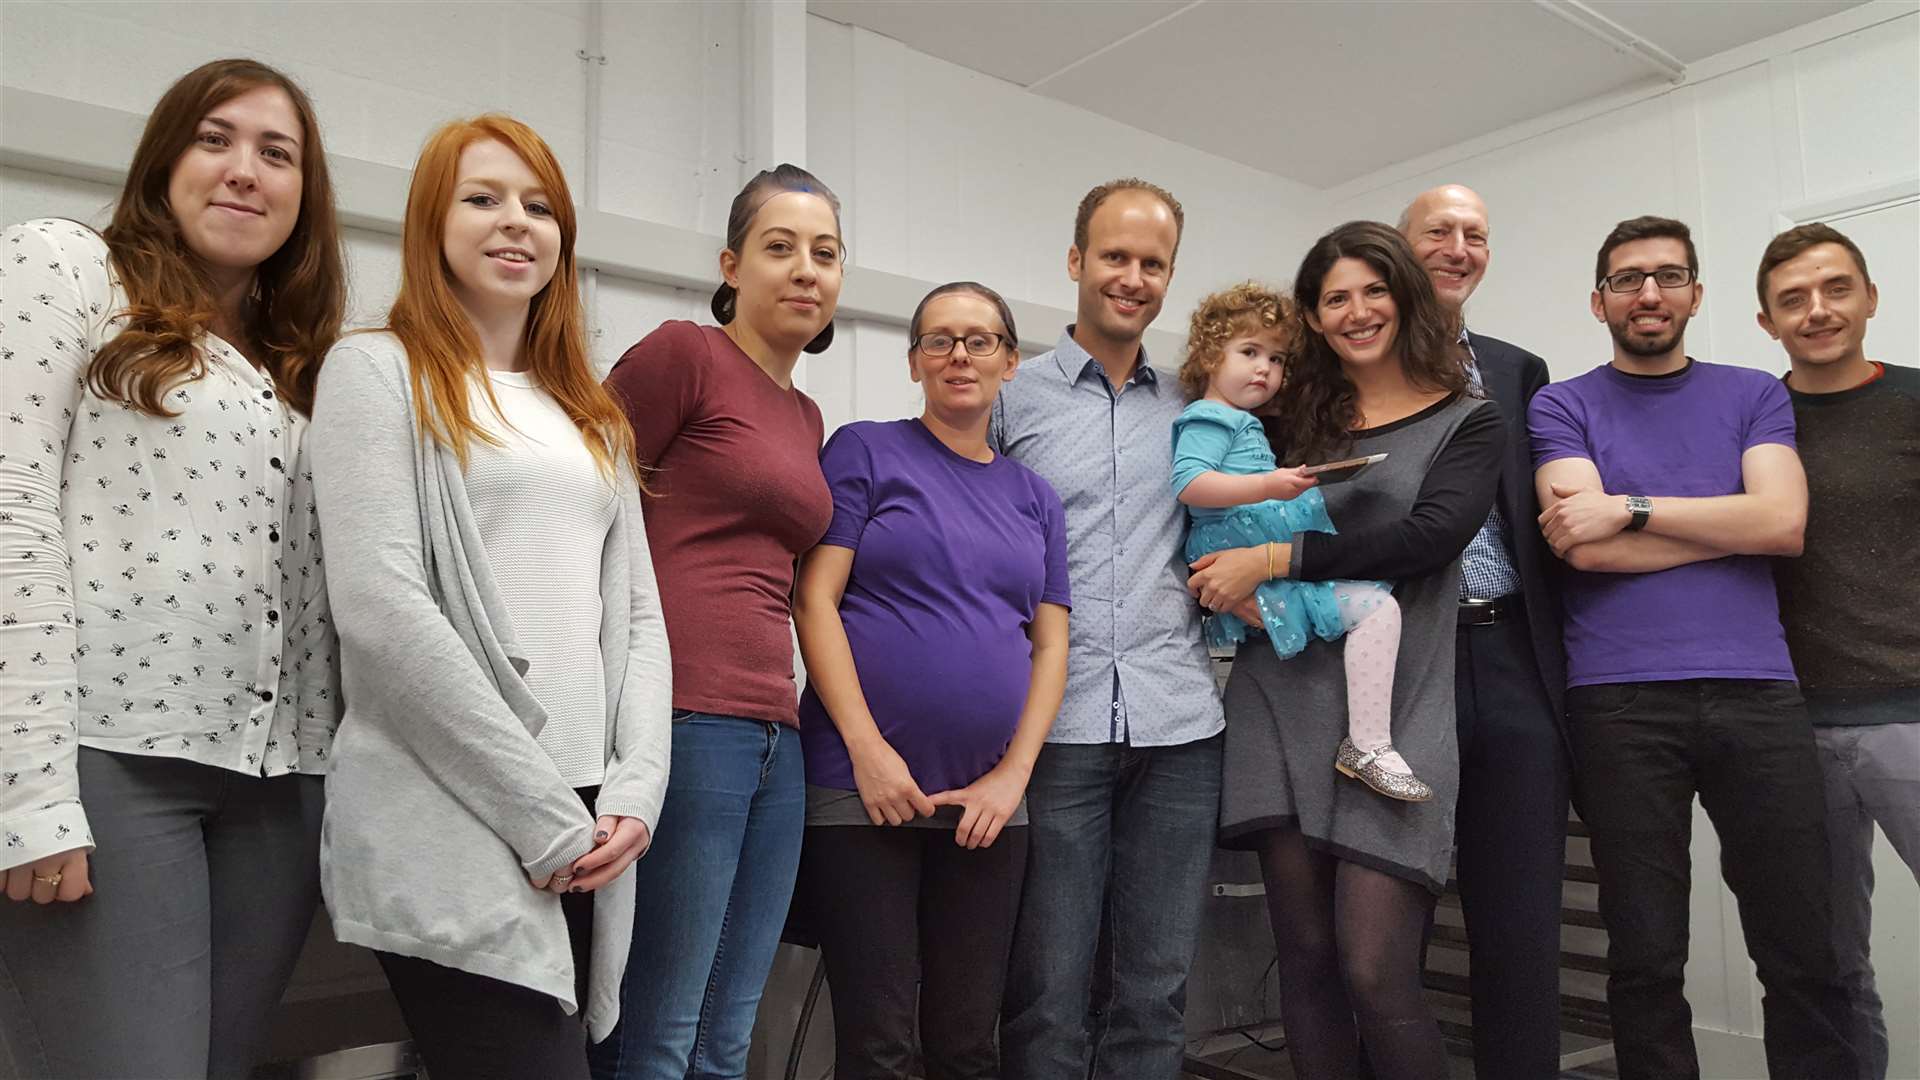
(1476, 611)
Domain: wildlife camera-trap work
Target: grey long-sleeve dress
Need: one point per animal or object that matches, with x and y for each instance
(1405, 521)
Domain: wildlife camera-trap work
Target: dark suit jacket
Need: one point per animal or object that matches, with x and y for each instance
(1512, 376)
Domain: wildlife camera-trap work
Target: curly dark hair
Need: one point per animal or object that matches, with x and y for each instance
(1247, 308)
(1320, 407)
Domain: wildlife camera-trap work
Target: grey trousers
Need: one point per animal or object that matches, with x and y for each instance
(1872, 775)
(205, 883)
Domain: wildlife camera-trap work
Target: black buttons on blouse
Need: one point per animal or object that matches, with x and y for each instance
(266, 695)
(275, 462)
(273, 536)
(273, 616)
(268, 394)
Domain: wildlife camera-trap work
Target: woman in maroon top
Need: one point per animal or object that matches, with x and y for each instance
(736, 496)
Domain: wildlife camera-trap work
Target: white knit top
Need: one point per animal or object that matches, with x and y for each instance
(543, 508)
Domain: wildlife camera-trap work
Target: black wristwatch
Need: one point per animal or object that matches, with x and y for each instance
(1641, 508)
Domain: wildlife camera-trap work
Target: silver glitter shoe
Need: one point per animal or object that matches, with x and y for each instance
(1366, 768)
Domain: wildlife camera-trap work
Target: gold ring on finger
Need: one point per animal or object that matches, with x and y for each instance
(51, 879)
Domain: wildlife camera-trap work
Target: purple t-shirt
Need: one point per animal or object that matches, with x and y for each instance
(952, 559)
(1678, 435)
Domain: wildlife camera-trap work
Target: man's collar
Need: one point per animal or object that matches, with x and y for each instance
(1075, 361)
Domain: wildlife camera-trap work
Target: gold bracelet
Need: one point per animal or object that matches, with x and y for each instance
(1269, 560)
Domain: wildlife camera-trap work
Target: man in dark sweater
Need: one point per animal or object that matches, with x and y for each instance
(1849, 601)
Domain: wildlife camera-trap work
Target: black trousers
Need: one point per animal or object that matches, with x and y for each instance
(471, 1027)
(1745, 746)
(910, 923)
(1510, 835)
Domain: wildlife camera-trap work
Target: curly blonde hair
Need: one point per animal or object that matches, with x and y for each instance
(1247, 308)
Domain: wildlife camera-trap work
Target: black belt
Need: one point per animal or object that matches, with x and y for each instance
(1489, 612)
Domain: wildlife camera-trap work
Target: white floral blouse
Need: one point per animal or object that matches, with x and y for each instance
(160, 577)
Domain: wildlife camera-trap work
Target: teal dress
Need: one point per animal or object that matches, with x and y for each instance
(1211, 437)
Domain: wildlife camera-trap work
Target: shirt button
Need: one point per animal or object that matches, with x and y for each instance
(266, 695)
(274, 536)
(273, 616)
(275, 462)
(268, 394)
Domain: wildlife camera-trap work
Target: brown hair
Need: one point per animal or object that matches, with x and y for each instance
(1247, 308)
(1788, 245)
(767, 183)
(973, 288)
(442, 351)
(1091, 202)
(1320, 408)
(299, 291)
(1646, 227)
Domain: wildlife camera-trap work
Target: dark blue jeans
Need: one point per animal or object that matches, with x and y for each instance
(1121, 835)
(711, 898)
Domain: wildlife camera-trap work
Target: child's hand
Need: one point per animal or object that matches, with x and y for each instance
(1288, 483)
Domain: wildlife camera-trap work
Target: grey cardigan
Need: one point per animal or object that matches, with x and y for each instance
(440, 804)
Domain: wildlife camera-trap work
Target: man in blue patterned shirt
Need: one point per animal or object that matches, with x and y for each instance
(1509, 684)
(1124, 800)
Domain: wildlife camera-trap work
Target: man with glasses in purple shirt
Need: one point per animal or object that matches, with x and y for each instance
(1666, 484)
(1124, 800)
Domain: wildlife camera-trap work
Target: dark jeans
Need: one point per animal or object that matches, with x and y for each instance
(1510, 836)
(910, 921)
(205, 883)
(711, 897)
(471, 1027)
(1120, 836)
(1641, 752)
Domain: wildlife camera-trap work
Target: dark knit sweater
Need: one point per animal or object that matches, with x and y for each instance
(1851, 602)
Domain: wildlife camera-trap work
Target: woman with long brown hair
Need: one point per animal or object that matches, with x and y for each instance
(504, 751)
(167, 659)
(1350, 878)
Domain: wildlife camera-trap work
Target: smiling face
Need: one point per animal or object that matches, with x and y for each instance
(235, 191)
(1248, 374)
(1650, 323)
(1124, 272)
(788, 269)
(1448, 230)
(1818, 304)
(960, 386)
(501, 242)
(1356, 313)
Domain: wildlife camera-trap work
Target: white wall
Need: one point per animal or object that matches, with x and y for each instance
(1810, 125)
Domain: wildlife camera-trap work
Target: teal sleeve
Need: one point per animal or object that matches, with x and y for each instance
(1200, 444)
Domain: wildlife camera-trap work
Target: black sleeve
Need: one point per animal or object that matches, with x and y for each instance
(1452, 505)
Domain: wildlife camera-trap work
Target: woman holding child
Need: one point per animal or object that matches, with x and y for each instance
(1351, 876)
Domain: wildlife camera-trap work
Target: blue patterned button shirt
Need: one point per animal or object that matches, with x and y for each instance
(1486, 570)
(1137, 671)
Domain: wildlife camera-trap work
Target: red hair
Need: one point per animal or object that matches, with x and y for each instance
(442, 351)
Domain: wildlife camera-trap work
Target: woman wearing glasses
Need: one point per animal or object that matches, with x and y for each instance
(933, 622)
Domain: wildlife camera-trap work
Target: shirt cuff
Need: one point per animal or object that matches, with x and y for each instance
(46, 831)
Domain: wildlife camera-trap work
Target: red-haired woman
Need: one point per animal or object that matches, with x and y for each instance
(504, 751)
(166, 662)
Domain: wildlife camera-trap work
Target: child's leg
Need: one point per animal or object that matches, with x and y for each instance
(1373, 648)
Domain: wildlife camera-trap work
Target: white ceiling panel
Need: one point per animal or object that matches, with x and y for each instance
(1321, 93)
(1696, 29)
(1317, 92)
(1019, 42)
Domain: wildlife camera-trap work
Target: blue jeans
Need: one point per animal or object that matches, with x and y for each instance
(1126, 833)
(712, 897)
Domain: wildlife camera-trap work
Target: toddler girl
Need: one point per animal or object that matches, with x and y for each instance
(1224, 472)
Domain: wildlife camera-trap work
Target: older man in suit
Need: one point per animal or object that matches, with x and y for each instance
(1510, 826)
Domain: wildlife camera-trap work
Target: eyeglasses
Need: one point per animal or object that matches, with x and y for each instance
(1630, 281)
(980, 344)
